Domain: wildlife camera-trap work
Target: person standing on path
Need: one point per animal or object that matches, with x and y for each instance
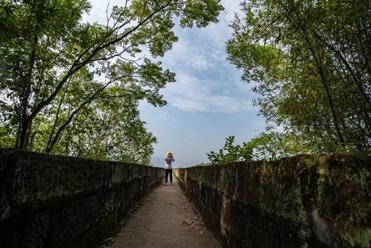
(169, 166)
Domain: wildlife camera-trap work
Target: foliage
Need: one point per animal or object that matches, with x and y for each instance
(233, 152)
(310, 63)
(73, 87)
(266, 146)
(229, 153)
(6, 139)
(274, 145)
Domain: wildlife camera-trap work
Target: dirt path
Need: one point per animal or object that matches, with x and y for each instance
(165, 219)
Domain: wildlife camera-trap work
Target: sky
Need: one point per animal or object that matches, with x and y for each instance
(208, 102)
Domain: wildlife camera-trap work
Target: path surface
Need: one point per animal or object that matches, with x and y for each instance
(165, 219)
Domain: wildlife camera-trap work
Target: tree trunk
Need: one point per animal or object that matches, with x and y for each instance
(325, 85)
(25, 92)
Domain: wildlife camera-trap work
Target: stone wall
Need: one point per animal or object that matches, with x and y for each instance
(303, 201)
(54, 201)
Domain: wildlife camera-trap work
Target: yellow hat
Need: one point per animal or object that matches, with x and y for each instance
(169, 153)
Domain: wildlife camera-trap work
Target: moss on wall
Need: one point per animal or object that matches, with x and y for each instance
(302, 201)
(54, 201)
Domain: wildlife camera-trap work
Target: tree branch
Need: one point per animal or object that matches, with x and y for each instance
(77, 66)
(75, 112)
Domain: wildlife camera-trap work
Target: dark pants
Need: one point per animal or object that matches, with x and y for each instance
(169, 172)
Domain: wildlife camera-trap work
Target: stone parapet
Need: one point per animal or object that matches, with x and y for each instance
(302, 201)
(55, 201)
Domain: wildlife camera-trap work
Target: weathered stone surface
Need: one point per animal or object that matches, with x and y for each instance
(55, 201)
(302, 201)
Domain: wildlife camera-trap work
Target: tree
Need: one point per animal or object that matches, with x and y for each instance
(229, 153)
(273, 145)
(265, 146)
(310, 61)
(54, 67)
(107, 129)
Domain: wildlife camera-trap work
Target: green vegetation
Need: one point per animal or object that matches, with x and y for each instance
(266, 146)
(71, 87)
(310, 63)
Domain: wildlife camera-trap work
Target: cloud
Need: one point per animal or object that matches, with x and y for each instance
(192, 94)
(191, 55)
(206, 81)
(98, 10)
(230, 8)
(199, 62)
(219, 33)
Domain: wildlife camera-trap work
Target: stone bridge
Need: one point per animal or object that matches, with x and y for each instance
(304, 201)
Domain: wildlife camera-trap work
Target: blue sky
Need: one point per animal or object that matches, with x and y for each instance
(208, 102)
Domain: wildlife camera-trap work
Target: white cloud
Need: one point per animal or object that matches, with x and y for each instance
(199, 62)
(230, 8)
(219, 33)
(199, 53)
(187, 54)
(194, 95)
(204, 49)
(98, 10)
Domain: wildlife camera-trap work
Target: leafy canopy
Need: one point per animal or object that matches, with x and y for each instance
(309, 62)
(265, 146)
(73, 87)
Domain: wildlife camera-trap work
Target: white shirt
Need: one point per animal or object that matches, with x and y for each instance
(169, 162)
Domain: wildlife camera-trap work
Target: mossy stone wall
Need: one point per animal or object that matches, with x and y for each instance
(302, 201)
(54, 201)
